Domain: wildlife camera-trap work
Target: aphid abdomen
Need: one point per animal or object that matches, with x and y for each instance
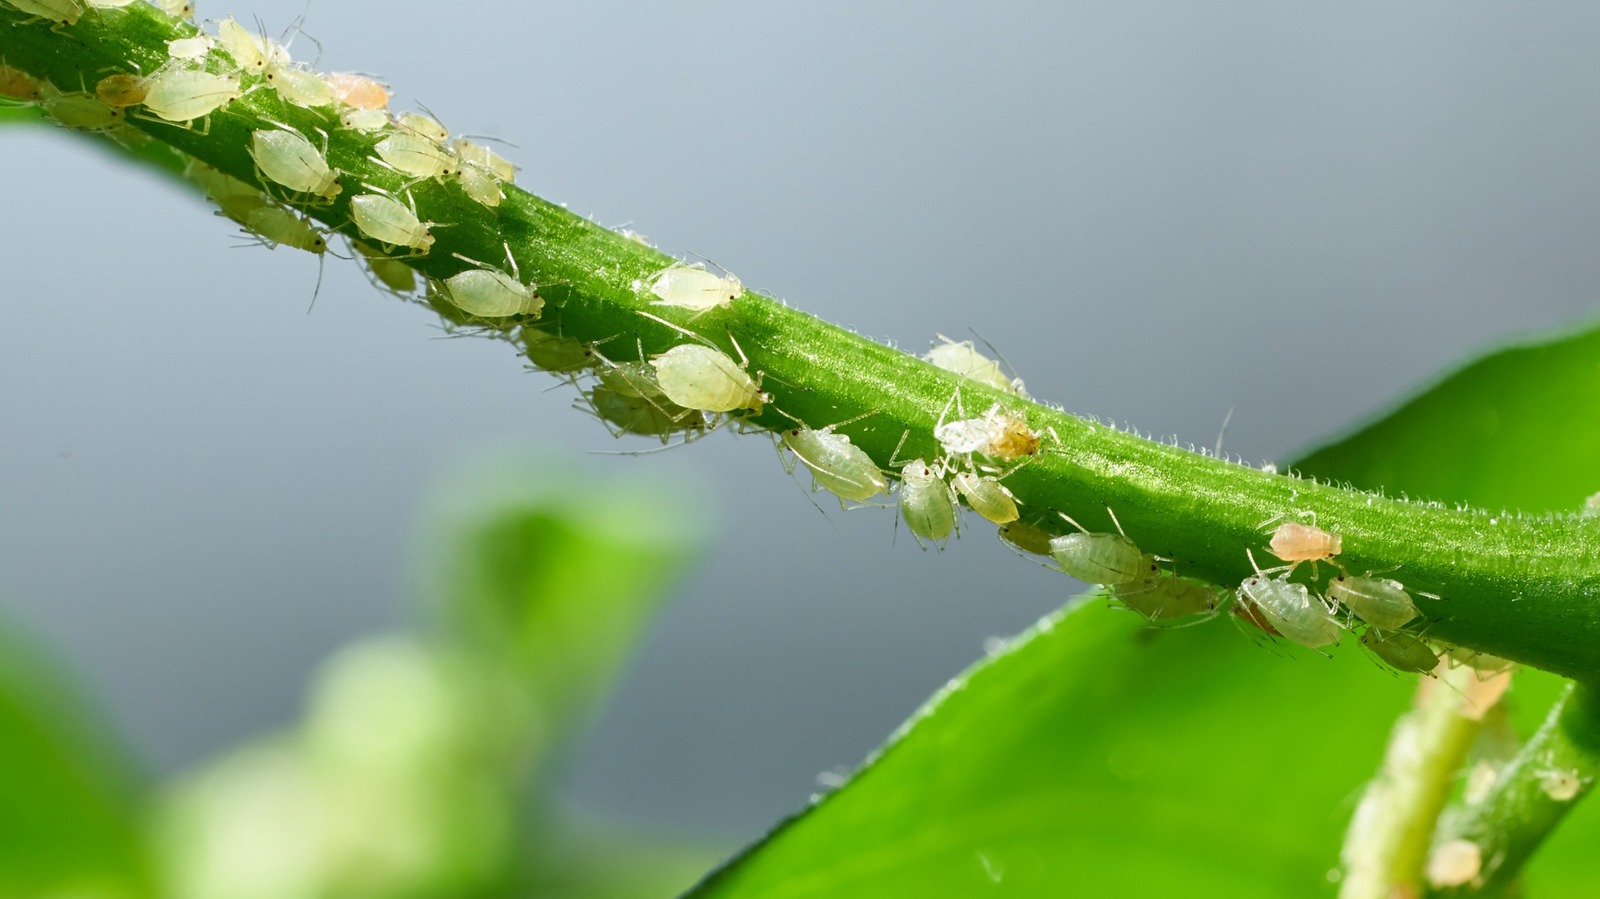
(1291, 610)
(837, 465)
(290, 160)
(1380, 602)
(700, 377)
(926, 503)
(1400, 650)
(556, 354)
(987, 496)
(416, 156)
(1098, 558)
(388, 221)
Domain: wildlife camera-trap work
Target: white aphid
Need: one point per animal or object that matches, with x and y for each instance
(358, 91)
(999, 434)
(423, 126)
(485, 158)
(62, 12)
(987, 496)
(1561, 784)
(183, 95)
(390, 222)
(289, 159)
(81, 111)
(417, 156)
(1380, 602)
(1289, 608)
(836, 465)
(1401, 650)
(1099, 558)
(707, 379)
(190, 47)
(277, 226)
(927, 503)
(691, 286)
(964, 359)
(122, 90)
(364, 119)
(490, 293)
(1454, 863)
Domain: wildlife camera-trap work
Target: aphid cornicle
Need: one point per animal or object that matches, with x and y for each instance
(288, 159)
(1380, 602)
(691, 286)
(987, 496)
(1099, 558)
(1401, 650)
(926, 502)
(1290, 608)
(707, 379)
(183, 95)
(388, 221)
(836, 464)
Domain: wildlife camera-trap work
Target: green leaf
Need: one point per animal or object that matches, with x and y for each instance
(1517, 429)
(68, 814)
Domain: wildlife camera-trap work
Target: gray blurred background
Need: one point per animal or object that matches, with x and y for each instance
(1156, 211)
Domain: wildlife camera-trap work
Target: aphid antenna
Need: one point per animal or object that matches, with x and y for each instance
(298, 27)
(505, 143)
(1115, 521)
(679, 328)
(1074, 522)
(1015, 378)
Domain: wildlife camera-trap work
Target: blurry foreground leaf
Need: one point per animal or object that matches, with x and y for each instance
(1093, 758)
(67, 807)
(411, 772)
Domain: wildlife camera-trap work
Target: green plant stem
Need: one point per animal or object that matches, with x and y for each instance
(1524, 589)
(1520, 811)
(1387, 843)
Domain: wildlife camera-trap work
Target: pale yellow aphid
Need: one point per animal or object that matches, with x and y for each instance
(252, 52)
(19, 85)
(489, 293)
(235, 198)
(484, 158)
(691, 286)
(1295, 543)
(707, 379)
(1291, 609)
(190, 47)
(81, 111)
(927, 503)
(964, 359)
(357, 90)
(62, 12)
(481, 186)
(417, 156)
(987, 496)
(1454, 863)
(423, 126)
(277, 226)
(1561, 784)
(1026, 537)
(299, 87)
(289, 159)
(122, 90)
(389, 274)
(367, 120)
(183, 95)
(836, 464)
(388, 221)
(183, 9)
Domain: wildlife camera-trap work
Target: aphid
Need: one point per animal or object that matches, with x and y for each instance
(416, 156)
(1486, 665)
(630, 397)
(299, 87)
(190, 47)
(836, 464)
(1380, 602)
(423, 126)
(286, 158)
(357, 90)
(705, 378)
(1099, 558)
(1164, 598)
(1026, 537)
(252, 52)
(558, 354)
(987, 496)
(1295, 543)
(183, 9)
(998, 433)
(277, 226)
(691, 286)
(1453, 863)
(367, 120)
(19, 85)
(490, 293)
(61, 12)
(1560, 784)
(122, 89)
(81, 111)
(183, 95)
(1290, 608)
(927, 503)
(484, 158)
(235, 198)
(390, 222)
(481, 186)
(387, 273)
(1401, 650)
(964, 359)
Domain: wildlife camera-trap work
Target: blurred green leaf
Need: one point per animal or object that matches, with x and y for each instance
(68, 813)
(1516, 429)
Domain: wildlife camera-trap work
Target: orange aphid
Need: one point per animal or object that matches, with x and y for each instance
(358, 90)
(1295, 543)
